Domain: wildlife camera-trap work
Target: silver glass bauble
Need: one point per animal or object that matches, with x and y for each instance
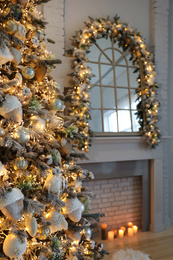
(2, 132)
(22, 135)
(28, 72)
(56, 104)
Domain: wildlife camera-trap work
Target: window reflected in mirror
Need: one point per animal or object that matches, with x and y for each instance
(113, 97)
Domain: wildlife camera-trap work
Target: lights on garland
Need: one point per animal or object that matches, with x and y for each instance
(148, 105)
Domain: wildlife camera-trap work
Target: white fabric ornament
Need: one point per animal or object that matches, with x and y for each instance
(58, 221)
(11, 204)
(11, 109)
(16, 54)
(5, 55)
(12, 246)
(73, 209)
(21, 32)
(55, 184)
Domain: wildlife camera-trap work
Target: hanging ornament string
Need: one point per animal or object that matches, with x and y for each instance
(127, 38)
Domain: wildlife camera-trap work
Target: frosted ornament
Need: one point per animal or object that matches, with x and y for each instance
(20, 163)
(31, 225)
(11, 26)
(73, 209)
(16, 54)
(37, 123)
(11, 205)
(58, 221)
(5, 55)
(56, 104)
(55, 184)
(22, 135)
(28, 72)
(13, 247)
(11, 109)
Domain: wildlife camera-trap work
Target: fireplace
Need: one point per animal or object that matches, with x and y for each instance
(122, 192)
(113, 158)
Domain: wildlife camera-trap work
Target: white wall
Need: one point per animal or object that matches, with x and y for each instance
(151, 18)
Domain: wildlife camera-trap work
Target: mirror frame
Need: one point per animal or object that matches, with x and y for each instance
(127, 38)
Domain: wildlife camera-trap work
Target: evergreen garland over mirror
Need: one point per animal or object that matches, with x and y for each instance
(79, 93)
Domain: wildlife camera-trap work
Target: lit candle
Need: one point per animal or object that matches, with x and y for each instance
(135, 230)
(130, 231)
(121, 233)
(104, 231)
(111, 235)
(130, 224)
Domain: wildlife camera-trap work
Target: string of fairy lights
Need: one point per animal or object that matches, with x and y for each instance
(127, 38)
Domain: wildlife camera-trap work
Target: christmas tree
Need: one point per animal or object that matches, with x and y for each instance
(43, 206)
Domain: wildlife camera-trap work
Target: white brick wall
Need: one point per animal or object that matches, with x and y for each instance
(119, 199)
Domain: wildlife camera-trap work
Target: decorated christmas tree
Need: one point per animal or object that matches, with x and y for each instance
(43, 205)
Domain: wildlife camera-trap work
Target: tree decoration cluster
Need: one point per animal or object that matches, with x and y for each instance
(127, 38)
(43, 205)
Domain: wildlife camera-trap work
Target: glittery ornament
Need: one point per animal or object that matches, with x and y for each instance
(55, 184)
(11, 26)
(20, 163)
(73, 209)
(22, 135)
(37, 123)
(28, 72)
(16, 13)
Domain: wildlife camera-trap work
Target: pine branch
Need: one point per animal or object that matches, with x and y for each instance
(95, 216)
(52, 62)
(51, 41)
(39, 2)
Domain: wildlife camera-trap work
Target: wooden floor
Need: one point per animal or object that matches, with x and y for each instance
(159, 246)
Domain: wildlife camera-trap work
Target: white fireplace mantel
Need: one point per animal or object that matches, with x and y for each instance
(114, 149)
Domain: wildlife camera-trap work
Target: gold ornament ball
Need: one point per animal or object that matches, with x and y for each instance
(28, 72)
(20, 163)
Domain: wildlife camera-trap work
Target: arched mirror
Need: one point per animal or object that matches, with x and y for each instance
(118, 100)
(113, 97)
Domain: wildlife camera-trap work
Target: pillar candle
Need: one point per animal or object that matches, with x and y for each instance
(104, 231)
(121, 233)
(111, 235)
(130, 231)
(135, 230)
(130, 224)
